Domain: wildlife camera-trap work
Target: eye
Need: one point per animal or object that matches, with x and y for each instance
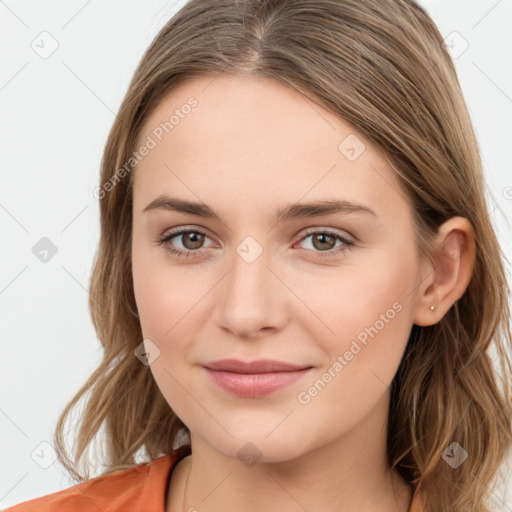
(191, 240)
(322, 242)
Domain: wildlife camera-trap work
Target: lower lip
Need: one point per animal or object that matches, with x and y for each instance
(255, 384)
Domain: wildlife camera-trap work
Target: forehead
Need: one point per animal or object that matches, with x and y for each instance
(260, 141)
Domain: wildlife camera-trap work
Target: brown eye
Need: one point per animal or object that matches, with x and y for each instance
(192, 240)
(184, 242)
(323, 241)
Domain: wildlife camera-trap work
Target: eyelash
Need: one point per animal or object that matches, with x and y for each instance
(321, 254)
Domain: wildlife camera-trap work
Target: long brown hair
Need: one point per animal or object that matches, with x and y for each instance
(382, 66)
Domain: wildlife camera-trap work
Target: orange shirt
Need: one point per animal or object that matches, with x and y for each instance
(142, 488)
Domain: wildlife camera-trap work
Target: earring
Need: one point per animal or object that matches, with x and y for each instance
(432, 308)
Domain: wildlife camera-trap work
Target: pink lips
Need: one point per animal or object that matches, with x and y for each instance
(254, 379)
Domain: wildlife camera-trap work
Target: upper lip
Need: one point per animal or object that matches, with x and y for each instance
(259, 366)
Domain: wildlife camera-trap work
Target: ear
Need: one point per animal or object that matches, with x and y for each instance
(446, 281)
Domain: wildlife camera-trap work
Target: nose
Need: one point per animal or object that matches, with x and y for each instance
(252, 299)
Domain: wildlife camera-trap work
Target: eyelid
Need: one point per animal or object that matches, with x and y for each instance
(330, 231)
(186, 228)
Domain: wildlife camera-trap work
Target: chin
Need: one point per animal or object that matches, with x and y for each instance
(252, 444)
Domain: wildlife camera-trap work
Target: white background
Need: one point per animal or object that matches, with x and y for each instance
(55, 117)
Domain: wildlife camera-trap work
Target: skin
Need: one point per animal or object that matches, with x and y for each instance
(251, 146)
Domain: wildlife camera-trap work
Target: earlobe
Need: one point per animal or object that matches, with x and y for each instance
(449, 278)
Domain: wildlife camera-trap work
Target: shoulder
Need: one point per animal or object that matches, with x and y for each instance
(140, 488)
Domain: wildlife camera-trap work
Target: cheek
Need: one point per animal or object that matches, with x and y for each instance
(362, 317)
(170, 314)
(342, 303)
(164, 307)
(361, 359)
(148, 291)
(160, 295)
(162, 304)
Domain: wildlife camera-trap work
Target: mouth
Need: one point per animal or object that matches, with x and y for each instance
(254, 379)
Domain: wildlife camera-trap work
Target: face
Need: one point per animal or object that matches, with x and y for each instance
(326, 287)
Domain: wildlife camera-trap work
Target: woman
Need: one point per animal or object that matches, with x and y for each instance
(297, 283)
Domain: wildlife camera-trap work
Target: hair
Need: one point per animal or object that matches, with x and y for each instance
(382, 66)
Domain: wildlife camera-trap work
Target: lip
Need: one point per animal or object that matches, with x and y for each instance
(258, 366)
(256, 378)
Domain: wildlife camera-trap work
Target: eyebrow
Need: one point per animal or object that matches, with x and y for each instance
(289, 212)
